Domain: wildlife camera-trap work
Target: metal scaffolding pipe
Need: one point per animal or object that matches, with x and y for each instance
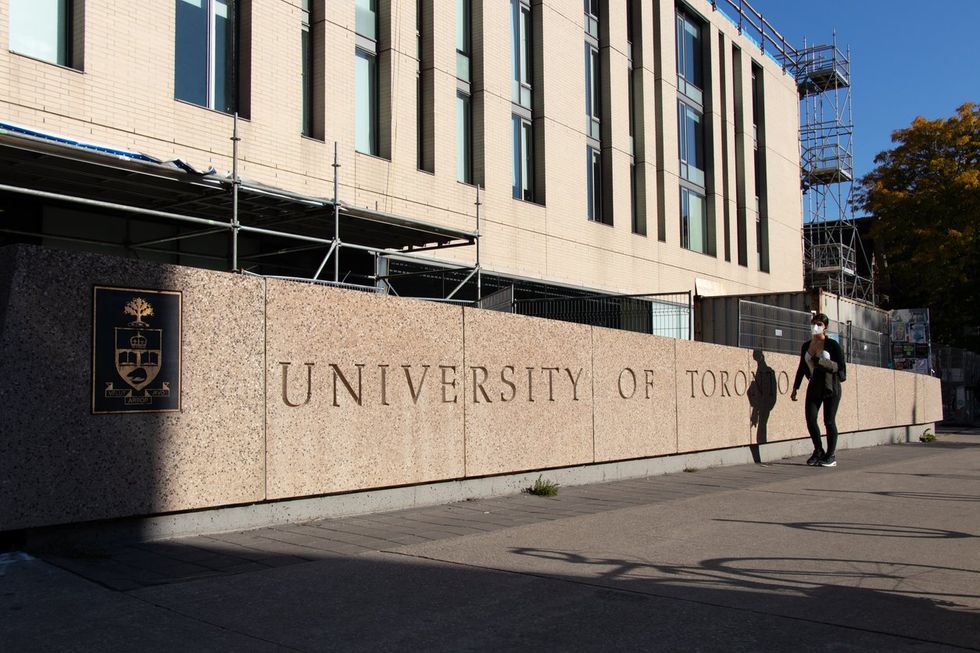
(112, 206)
(234, 195)
(336, 213)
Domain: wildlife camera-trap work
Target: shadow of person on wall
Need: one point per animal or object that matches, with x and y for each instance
(762, 398)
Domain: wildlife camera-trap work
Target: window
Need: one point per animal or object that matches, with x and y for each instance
(597, 169)
(522, 57)
(759, 152)
(638, 223)
(690, 73)
(694, 221)
(42, 29)
(366, 77)
(366, 102)
(523, 159)
(692, 146)
(205, 66)
(464, 138)
(690, 126)
(521, 52)
(464, 104)
(592, 94)
(306, 71)
(594, 183)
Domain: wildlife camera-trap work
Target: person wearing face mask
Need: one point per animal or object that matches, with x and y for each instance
(822, 362)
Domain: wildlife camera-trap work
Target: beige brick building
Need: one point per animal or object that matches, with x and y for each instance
(688, 120)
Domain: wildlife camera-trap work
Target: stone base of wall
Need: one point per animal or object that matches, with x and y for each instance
(272, 513)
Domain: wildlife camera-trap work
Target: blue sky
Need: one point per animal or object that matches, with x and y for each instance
(908, 58)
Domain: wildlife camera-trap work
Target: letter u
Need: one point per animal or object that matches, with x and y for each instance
(285, 385)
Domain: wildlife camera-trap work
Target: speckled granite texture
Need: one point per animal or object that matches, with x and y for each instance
(293, 389)
(635, 411)
(713, 400)
(379, 412)
(60, 463)
(528, 393)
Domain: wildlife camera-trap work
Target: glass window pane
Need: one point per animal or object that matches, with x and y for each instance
(463, 26)
(527, 144)
(464, 152)
(39, 28)
(365, 103)
(224, 56)
(697, 222)
(191, 65)
(366, 19)
(516, 187)
(306, 78)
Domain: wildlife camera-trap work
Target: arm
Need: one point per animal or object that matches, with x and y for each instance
(801, 371)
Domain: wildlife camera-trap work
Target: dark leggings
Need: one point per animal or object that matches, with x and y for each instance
(814, 398)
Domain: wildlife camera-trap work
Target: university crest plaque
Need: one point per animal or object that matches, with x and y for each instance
(136, 338)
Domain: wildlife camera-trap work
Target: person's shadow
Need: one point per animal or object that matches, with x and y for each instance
(762, 397)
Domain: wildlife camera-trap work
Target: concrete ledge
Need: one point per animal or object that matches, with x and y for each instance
(238, 518)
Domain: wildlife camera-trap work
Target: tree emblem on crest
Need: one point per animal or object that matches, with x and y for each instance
(139, 308)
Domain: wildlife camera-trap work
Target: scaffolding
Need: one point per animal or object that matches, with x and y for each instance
(834, 256)
(124, 202)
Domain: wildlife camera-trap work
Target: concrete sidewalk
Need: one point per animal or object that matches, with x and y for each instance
(880, 553)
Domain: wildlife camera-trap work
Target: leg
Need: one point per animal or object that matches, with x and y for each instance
(810, 407)
(830, 406)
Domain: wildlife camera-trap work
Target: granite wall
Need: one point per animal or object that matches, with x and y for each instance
(291, 390)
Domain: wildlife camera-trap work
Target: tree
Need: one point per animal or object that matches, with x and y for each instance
(138, 307)
(924, 200)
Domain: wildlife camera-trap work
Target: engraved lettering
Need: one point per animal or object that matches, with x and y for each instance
(415, 392)
(446, 384)
(337, 374)
(574, 380)
(285, 385)
(714, 383)
(648, 376)
(724, 384)
(745, 382)
(551, 386)
(692, 373)
(478, 385)
(530, 383)
(783, 388)
(632, 383)
(513, 386)
(384, 385)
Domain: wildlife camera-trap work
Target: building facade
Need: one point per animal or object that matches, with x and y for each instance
(635, 146)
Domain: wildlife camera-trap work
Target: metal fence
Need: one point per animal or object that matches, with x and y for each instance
(662, 314)
(959, 371)
(865, 346)
(773, 328)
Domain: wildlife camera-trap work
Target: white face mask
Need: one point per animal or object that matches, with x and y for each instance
(817, 329)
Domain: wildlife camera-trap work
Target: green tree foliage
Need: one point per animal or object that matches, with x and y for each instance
(924, 200)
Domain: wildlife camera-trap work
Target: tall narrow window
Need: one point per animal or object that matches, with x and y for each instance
(521, 100)
(694, 221)
(593, 160)
(597, 204)
(759, 160)
(306, 70)
(695, 229)
(206, 61)
(366, 77)
(464, 140)
(638, 222)
(464, 105)
(424, 76)
(42, 29)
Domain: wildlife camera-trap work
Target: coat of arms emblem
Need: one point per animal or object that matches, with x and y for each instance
(144, 327)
